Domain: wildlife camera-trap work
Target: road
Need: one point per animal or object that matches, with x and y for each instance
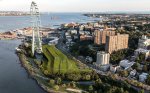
(61, 46)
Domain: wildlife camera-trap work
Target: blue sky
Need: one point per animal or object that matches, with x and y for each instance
(77, 5)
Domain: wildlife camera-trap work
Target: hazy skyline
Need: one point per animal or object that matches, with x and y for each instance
(77, 5)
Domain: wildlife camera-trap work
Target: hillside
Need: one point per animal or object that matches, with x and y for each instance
(56, 61)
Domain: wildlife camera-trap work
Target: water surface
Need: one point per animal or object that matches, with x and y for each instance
(13, 77)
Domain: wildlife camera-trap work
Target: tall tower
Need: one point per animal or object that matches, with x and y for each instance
(36, 37)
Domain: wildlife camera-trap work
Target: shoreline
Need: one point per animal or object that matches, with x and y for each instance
(30, 72)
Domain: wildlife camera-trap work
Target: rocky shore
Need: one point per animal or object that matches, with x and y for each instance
(8, 35)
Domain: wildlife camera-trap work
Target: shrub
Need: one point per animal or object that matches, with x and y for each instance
(88, 77)
(90, 88)
(56, 87)
(45, 72)
(58, 81)
(52, 82)
(73, 84)
(64, 85)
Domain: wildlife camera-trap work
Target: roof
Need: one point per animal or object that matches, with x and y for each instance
(142, 50)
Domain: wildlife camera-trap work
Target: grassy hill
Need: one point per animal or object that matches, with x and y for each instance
(57, 62)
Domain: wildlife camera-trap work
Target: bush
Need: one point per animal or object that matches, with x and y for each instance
(73, 84)
(56, 87)
(74, 76)
(90, 88)
(45, 72)
(51, 82)
(64, 85)
(148, 80)
(123, 73)
(136, 66)
(58, 81)
(142, 91)
(88, 77)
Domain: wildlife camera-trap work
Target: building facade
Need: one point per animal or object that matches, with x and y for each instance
(85, 37)
(142, 51)
(116, 42)
(100, 36)
(144, 42)
(102, 58)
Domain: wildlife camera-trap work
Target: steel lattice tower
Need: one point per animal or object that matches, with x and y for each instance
(36, 37)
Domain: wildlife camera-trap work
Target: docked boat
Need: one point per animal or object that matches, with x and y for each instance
(18, 49)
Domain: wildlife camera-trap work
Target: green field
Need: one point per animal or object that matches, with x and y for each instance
(57, 62)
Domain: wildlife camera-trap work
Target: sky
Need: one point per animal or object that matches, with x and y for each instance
(76, 5)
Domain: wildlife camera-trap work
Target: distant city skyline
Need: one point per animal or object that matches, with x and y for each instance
(77, 5)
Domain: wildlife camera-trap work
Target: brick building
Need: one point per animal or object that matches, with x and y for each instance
(116, 42)
(100, 36)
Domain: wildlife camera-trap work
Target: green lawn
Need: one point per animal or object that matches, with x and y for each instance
(57, 61)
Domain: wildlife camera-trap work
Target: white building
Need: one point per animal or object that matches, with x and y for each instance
(126, 64)
(54, 41)
(102, 58)
(73, 31)
(67, 33)
(88, 59)
(104, 67)
(81, 32)
(143, 77)
(143, 51)
(113, 68)
(144, 42)
(19, 32)
(68, 38)
(133, 73)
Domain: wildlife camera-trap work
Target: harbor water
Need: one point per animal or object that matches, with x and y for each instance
(13, 77)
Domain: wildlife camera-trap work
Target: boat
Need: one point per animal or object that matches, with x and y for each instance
(18, 49)
(54, 18)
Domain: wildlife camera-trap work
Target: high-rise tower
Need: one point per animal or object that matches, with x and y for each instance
(36, 37)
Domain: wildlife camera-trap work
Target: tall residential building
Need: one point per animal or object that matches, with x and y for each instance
(116, 42)
(102, 58)
(100, 36)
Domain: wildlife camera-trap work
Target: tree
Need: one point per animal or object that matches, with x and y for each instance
(140, 58)
(46, 72)
(124, 73)
(56, 87)
(90, 88)
(64, 85)
(98, 82)
(148, 80)
(119, 90)
(142, 91)
(58, 81)
(136, 66)
(126, 92)
(117, 56)
(52, 82)
(88, 77)
(145, 68)
(74, 76)
(73, 84)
